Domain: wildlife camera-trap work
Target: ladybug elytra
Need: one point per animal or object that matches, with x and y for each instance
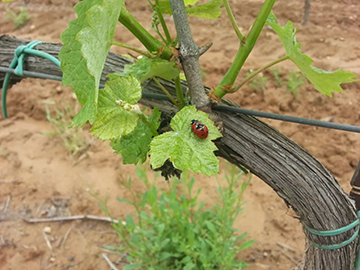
(199, 129)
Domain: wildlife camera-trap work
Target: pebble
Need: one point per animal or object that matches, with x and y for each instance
(47, 229)
(59, 89)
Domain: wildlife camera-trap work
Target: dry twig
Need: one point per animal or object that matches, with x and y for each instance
(8, 181)
(47, 240)
(66, 236)
(112, 266)
(51, 265)
(286, 247)
(30, 247)
(289, 257)
(39, 208)
(7, 204)
(80, 217)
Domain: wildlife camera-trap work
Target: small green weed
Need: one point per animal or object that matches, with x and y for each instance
(258, 82)
(176, 231)
(295, 81)
(20, 19)
(72, 138)
(275, 72)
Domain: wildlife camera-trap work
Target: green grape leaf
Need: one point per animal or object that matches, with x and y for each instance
(325, 82)
(146, 68)
(116, 115)
(184, 149)
(190, 2)
(134, 147)
(87, 41)
(165, 7)
(209, 10)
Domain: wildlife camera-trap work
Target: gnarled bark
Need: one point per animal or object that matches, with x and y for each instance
(297, 177)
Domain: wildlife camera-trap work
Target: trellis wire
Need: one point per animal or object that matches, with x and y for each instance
(286, 118)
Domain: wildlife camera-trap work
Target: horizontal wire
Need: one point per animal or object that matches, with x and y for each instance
(287, 118)
(280, 117)
(38, 75)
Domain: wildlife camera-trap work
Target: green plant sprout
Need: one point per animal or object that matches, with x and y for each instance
(295, 81)
(112, 111)
(257, 82)
(275, 72)
(172, 231)
(19, 19)
(72, 138)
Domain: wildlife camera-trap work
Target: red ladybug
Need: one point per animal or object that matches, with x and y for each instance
(199, 129)
(194, 123)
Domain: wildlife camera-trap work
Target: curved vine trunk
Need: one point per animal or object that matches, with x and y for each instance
(298, 178)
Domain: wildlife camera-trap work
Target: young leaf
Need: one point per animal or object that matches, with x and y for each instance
(86, 45)
(190, 2)
(130, 222)
(146, 68)
(325, 82)
(135, 146)
(115, 116)
(246, 244)
(132, 266)
(184, 149)
(209, 10)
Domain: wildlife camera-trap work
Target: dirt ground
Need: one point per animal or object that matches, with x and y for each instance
(39, 178)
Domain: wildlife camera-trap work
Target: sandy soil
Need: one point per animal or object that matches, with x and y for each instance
(45, 181)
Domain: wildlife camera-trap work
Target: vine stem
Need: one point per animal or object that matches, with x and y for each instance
(189, 56)
(150, 42)
(179, 91)
(244, 50)
(233, 21)
(165, 91)
(249, 78)
(160, 35)
(129, 47)
(163, 24)
(144, 119)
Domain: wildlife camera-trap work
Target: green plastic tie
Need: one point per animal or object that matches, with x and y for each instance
(337, 232)
(18, 64)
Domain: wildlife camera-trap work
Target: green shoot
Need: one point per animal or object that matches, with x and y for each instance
(73, 139)
(172, 228)
(233, 21)
(132, 48)
(20, 19)
(244, 50)
(275, 72)
(165, 91)
(256, 72)
(257, 82)
(295, 81)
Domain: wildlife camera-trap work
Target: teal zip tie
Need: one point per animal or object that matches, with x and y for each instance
(18, 64)
(336, 246)
(334, 232)
(337, 232)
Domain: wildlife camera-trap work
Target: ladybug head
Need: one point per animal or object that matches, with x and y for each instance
(194, 122)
